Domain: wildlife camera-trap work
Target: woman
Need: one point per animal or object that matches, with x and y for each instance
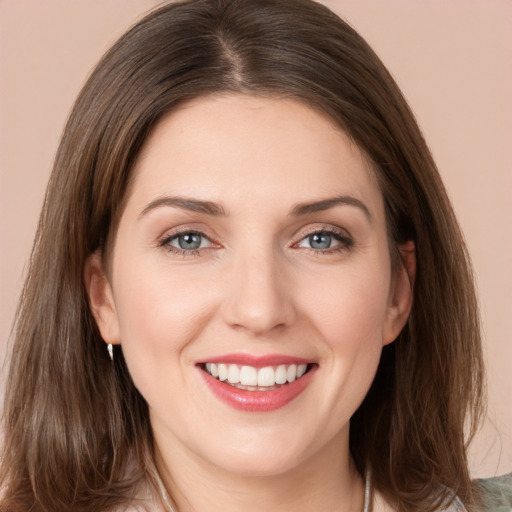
(244, 212)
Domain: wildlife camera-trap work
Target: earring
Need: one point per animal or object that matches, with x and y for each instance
(110, 349)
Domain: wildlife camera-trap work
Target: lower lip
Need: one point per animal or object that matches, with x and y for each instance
(258, 401)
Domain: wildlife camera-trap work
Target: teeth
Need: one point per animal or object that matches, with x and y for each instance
(291, 373)
(267, 376)
(233, 374)
(281, 374)
(248, 376)
(301, 370)
(222, 371)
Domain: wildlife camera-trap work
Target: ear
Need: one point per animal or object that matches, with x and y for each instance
(401, 293)
(101, 299)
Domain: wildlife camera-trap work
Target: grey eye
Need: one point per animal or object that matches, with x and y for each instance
(189, 241)
(320, 241)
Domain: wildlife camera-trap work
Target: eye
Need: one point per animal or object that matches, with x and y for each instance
(325, 241)
(186, 241)
(319, 241)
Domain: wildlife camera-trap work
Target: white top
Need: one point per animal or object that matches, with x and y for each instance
(148, 502)
(380, 505)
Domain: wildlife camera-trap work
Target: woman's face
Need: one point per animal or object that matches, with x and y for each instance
(252, 251)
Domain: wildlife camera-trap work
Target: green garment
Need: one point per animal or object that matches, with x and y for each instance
(496, 493)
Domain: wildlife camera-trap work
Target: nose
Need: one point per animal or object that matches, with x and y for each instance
(259, 295)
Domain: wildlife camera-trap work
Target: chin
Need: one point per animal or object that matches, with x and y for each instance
(266, 464)
(264, 455)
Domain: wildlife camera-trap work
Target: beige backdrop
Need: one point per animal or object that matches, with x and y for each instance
(452, 58)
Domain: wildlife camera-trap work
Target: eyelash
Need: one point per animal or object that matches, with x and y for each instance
(345, 242)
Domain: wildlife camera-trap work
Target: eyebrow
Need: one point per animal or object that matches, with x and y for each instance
(326, 204)
(185, 203)
(216, 210)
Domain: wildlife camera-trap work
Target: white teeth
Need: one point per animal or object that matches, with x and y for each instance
(291, 373)
(281, 374)
(223, 372)
(301, 370)
(265, 377)
(233, 374)
(248, 376)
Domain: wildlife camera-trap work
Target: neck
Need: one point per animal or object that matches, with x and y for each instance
(327, 481)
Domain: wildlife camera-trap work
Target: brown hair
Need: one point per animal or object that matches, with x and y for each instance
(77, 433)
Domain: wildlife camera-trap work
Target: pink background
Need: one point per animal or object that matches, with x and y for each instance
(452, 59)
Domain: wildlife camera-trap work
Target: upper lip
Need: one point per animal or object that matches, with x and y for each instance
(257, 361)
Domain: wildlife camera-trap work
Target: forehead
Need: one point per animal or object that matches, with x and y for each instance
(221, 147)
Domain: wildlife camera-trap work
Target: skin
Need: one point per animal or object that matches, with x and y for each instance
(257, 285)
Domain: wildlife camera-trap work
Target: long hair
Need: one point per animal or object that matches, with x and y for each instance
(77, 432)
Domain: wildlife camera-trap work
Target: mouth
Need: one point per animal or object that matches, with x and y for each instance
(257, 384)
(251, 378)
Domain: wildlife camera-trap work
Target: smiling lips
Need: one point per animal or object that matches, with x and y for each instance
(265, 385)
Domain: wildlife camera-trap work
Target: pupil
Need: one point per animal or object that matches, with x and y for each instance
(190, 241)
(320, 241)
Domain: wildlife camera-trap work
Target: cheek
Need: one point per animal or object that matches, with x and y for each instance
(350, 316)
(159, 312)
(159, 304)
(347, 312)
(350, 307)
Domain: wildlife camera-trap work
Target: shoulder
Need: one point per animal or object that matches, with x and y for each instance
(381, 505)
(455, 506)
(495, 493)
